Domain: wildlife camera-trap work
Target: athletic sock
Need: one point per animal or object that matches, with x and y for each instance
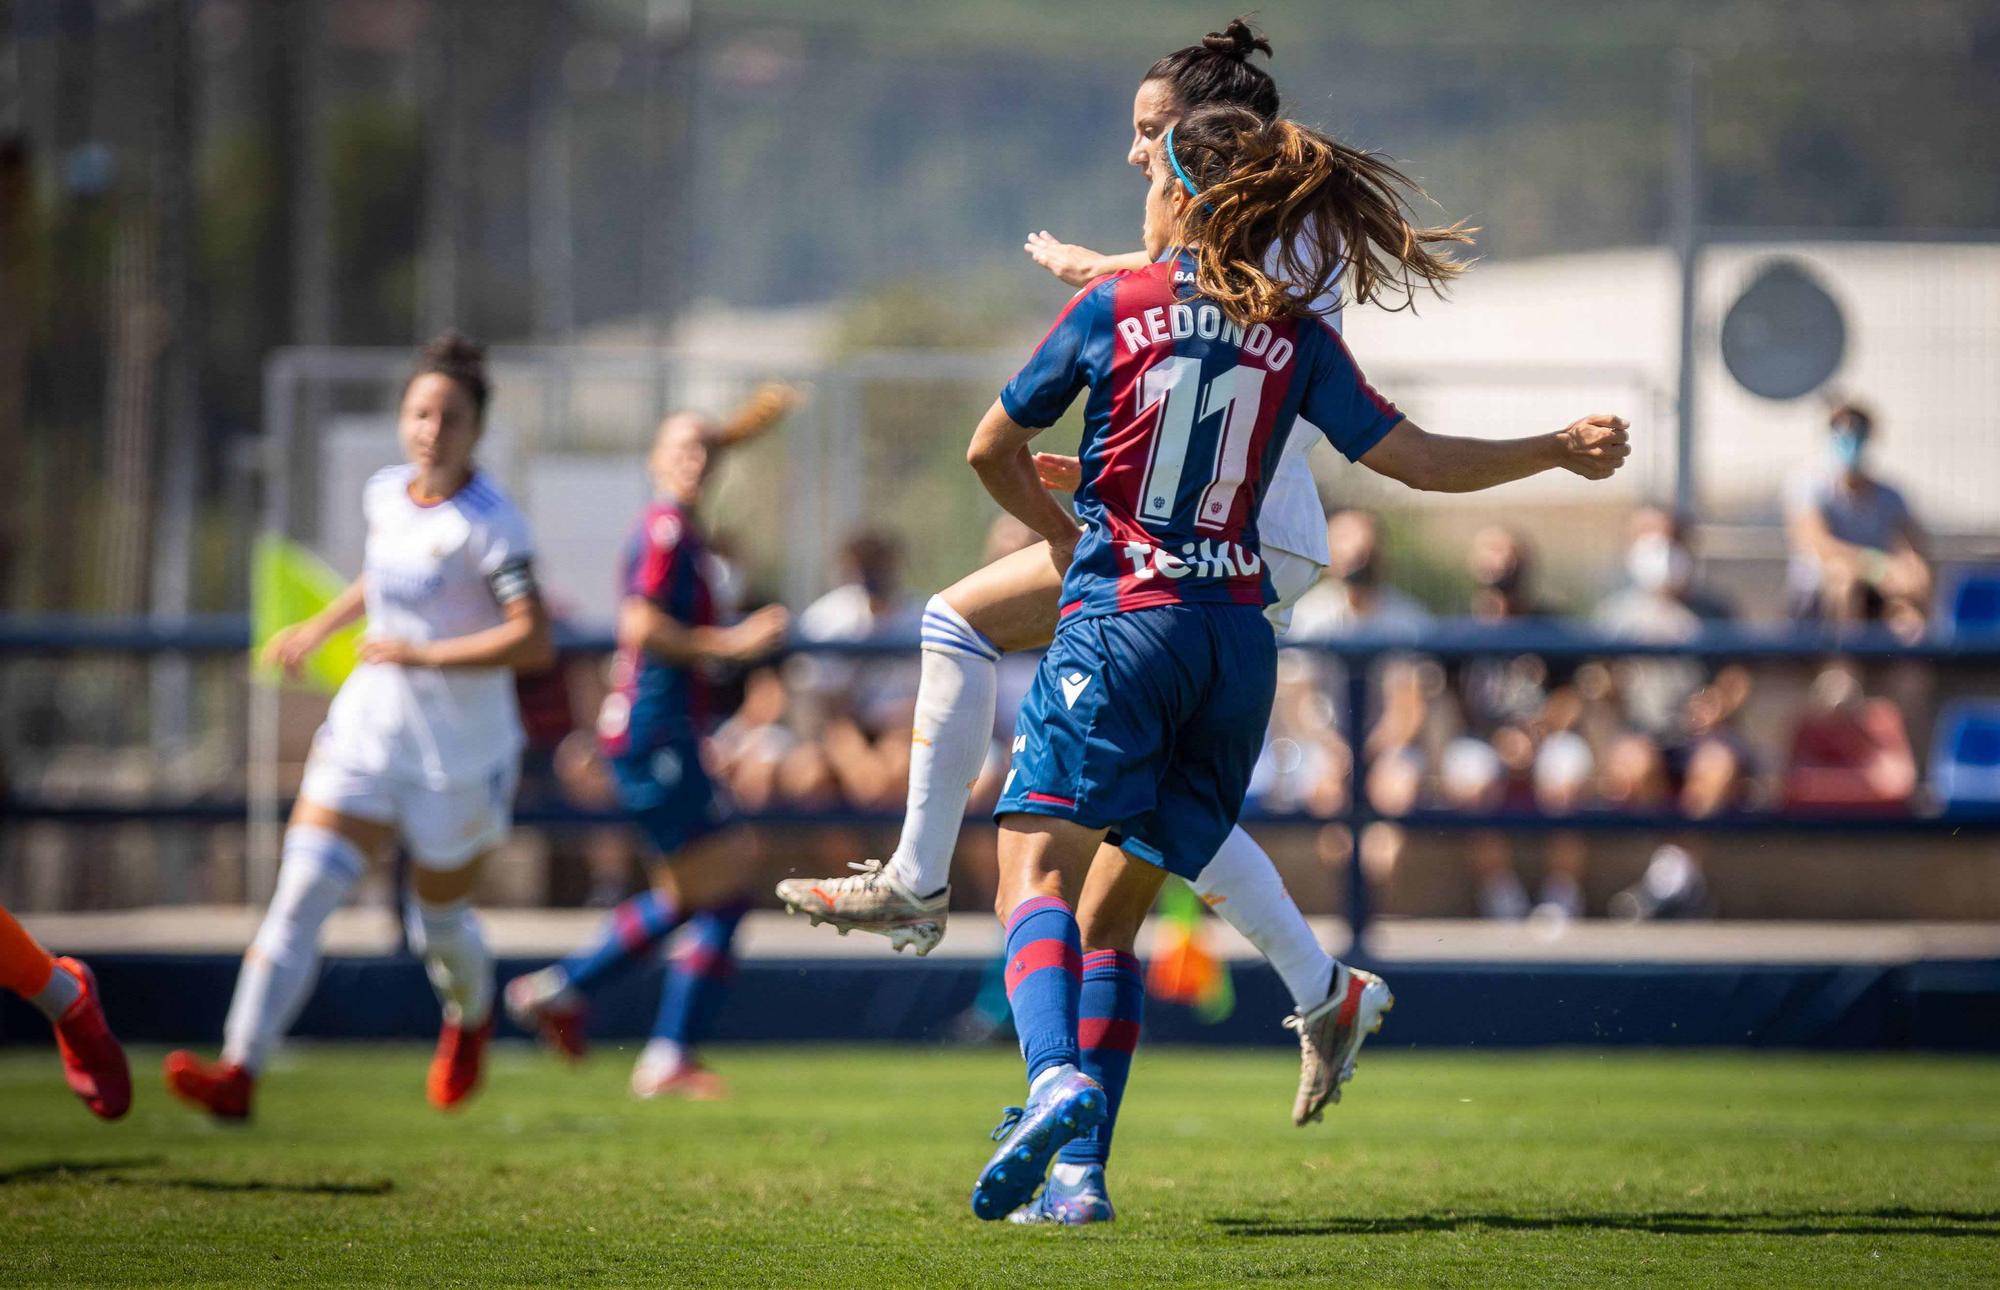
(318, 870)
(32, 972)
(633, 931)
(697, 980)
(1044, 977)
(952, 731)
(452, 943)
(1112, 1003)
(1243, 886)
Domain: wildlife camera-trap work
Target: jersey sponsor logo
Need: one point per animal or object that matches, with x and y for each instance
(666, 530)
(1073, 687)
(1207, 559)
(1164, 324)
(615, 717)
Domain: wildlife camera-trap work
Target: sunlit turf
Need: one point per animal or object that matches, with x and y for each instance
(852, 1167)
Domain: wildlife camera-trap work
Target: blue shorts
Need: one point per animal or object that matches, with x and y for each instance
(1147, 724)
(669, 795)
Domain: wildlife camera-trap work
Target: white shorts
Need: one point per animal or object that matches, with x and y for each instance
(441, 828)
(1292, 576)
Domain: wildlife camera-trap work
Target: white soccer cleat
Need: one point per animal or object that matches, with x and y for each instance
(1330, 1037)
(870, 900)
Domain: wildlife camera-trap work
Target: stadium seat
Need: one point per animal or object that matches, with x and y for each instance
(1965, 758)
(1971, 602)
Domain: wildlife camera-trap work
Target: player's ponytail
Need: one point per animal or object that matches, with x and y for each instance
(1337, 214)
(1219, 70)
(460, 358)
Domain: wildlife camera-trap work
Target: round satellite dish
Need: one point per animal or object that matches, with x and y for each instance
(1784, 336)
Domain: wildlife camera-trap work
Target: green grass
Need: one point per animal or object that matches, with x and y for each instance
(838, 1166)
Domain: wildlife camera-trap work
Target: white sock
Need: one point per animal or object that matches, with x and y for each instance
(318, 871)
(954, 725)
(452, 942)
(662, 1052)
(1243, 886)
(55, 998)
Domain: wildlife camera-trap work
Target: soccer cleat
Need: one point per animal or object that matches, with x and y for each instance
(1072, 1204)
(685, 1079)
(93, 1061)
(1070, 1104)
(220, 1088)
(456, 1065)
(1330, 1035)
(870, 900)
(542, 1002)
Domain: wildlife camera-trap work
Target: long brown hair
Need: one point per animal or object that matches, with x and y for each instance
(1338, 216)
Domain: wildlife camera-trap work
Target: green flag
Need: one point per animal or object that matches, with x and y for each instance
(289, 584)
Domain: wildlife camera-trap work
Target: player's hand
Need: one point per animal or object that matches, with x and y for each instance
(1058, 473)
(760, 633)
(1594, 447)
(767, 405)
(388, 649)
(290, 649)
(1074, 264)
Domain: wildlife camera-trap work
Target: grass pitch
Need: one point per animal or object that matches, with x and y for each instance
(852, 1167)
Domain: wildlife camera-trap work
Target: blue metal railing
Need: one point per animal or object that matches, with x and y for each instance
(1446, 640)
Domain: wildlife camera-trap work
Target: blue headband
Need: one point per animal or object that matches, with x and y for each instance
(1175, 162)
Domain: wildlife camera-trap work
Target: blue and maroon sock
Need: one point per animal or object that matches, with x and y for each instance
(1044, 976)
(1113, 1002)
(699, 976)
(633, 931)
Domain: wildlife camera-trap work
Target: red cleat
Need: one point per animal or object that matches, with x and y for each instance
(542, 1002)
(455, 1067)
(220, 1088)
(93, 1062)
(687, 1079)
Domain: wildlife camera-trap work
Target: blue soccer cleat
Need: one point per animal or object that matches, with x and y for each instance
(1071, 1203)
(1069, 1105)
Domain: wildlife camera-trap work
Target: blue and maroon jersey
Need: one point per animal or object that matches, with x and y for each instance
(653, 702)
(1186, 420)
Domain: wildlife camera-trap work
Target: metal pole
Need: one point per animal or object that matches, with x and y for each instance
(1687, 234)
(1358, 811)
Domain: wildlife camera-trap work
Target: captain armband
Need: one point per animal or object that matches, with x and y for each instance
(513, 580)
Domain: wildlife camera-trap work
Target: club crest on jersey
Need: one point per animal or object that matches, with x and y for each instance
(1208, 559)
(1073, 687)
(666, 530)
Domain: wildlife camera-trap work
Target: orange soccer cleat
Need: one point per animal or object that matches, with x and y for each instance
(220, 1088)
(455, 1067)
(93, 1061)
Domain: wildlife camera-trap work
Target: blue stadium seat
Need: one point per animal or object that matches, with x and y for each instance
(1971, 602)
(1965, 756)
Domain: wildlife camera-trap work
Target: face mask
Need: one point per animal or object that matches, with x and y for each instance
(1847, 447)
(1656, 563)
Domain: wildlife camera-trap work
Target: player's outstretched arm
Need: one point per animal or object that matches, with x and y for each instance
(999, 455)
(1075, 264)
(291, 647)
(764, 409)
(525, 641)
(644, 625)
(1594, 447)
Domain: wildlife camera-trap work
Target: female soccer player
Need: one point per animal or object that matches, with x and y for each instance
(65, 992)
(650, 730)
(1012, 604)
(422, 743)
(1148, 710)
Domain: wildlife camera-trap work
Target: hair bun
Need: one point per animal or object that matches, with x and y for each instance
(1238, 40)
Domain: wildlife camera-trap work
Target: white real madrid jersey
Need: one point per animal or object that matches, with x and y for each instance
(427, 571)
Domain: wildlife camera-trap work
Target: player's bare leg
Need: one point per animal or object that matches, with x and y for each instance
(1009, 604)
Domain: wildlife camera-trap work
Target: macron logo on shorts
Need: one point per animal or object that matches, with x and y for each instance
(1073, 687)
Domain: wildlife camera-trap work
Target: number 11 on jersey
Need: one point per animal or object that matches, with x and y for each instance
(1173, 387)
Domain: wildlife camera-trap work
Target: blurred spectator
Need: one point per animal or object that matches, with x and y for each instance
(1506, 757)
(1849, 752)
(878, 694)
(1355, 590)
(1858, 553)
